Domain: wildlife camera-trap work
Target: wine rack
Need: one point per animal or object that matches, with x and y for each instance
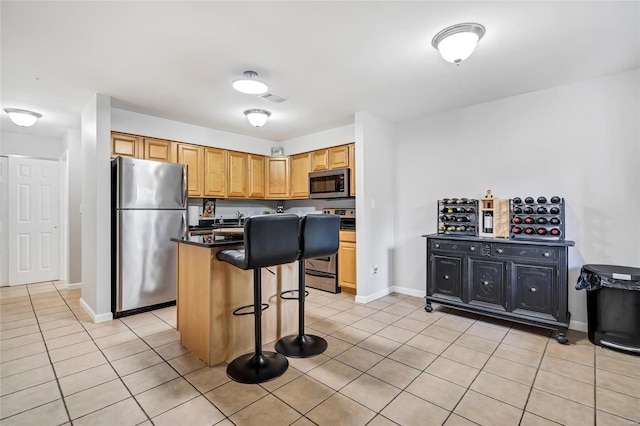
(537, 219)
(458, 216)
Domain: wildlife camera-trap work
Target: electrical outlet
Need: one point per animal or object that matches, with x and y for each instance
(374, 270)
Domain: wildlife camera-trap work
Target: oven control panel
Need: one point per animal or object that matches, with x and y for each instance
(343, 213)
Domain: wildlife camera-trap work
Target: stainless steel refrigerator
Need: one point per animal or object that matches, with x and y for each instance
(149, 207)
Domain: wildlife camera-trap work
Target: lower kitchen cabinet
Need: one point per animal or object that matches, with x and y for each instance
(347, 262)
(515, 280)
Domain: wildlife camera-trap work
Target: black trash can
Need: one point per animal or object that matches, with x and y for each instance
(613, 305)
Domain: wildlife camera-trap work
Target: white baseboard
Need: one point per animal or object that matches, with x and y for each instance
(374, 296)
(74, 286)
(408, 291)
(96, 318)
(578, 326)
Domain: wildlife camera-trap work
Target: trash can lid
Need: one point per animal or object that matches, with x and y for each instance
(615, 271)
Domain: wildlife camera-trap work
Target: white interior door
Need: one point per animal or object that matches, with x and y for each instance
(33, 220)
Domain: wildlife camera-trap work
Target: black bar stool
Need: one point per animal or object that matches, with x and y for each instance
(269, 240)
(319, 236)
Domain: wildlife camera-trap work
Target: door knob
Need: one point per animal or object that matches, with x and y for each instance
(546, 254)
(485, 282)
(499, 251)
(437, 245)
(446, 277)
(472, 248)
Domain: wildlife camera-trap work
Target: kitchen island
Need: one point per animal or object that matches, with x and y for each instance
(209, 291)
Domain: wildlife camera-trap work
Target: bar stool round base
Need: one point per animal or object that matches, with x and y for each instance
(304, 346)
(252, 368)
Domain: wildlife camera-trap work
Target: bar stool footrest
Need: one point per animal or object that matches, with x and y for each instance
(255, 368)
(237, 312)
(284, 294)
(301, 346)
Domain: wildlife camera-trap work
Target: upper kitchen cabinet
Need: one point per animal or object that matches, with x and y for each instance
(255, 177)
(338, 157)
(215, 172)
(277, 177)
(159, 150)
(193, 157)
(237, 176)
(126, 145)
(352, 169)
(300, 168)
(320, 160)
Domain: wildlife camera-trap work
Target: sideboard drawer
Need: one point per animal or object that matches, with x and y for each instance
(459, 246)
(528, 252)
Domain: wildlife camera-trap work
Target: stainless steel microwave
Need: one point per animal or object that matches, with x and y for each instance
(329, 184)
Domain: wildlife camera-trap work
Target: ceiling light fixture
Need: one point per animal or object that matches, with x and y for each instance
(257, 117)
(457, 43)
(22, 117)
(249, 84)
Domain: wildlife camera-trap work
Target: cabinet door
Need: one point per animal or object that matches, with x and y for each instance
(352, 169)
(300, 167)
(237, 181)
(193, 157)
(277, 177)
(256, 176)
(339, 157)
(215, 172)
(158, 150)
(125, 145)
(535, 289)
(347, 265)
(487, 284)
(446, 277)
(320, 160)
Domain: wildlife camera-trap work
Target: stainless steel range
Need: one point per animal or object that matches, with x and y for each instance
(322, 272)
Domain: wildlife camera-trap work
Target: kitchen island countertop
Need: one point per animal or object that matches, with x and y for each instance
(207, 241)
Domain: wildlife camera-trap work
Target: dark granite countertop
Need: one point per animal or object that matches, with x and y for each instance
(207, 241)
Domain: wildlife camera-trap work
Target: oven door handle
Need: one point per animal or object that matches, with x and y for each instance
(319, 274)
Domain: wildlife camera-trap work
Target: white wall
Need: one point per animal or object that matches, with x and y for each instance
(374, 205)
(4, 213)
(96, 208)
(580, 141)
(326, 138)
(74, 161)
(147, 125)
(30, 145)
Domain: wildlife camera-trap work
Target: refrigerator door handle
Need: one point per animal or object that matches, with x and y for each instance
(185, 190)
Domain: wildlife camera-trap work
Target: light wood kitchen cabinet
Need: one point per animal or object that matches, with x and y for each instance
(237, 176)
(352, 169)
(126, 145)
(338, 157)
(277, 177)
(347, 262)
(255, 177)
(158, 150)
(215, 172)
(193, 157)
(320, 160)
(300, 168)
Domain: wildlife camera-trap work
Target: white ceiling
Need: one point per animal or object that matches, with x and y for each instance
(329, 59)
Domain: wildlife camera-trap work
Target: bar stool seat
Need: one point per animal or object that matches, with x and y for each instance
(269, 240)
(318, 236)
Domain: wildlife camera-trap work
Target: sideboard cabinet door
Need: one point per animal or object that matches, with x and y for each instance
(487, 284)
(446, 277)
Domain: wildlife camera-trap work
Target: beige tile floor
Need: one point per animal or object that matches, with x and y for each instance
(388, 362)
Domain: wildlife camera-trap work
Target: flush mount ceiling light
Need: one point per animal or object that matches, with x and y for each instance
(250, 84)
(257, 117)
(457, 43)
(22, 117)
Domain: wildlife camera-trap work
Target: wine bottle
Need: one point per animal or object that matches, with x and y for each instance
(542, 200)
(442, 228)
(517, 210)
(529, 220)
(554, 210)
(541, 231)
(488, 222)
(517, 200)
(528, 200)
(516, 219)
(529, 231)
(516, 230)
(461, 210)
(444, 210)
(541, 210)
(449, 210)
(555, 232)
(554, 221)
(542, 220)
(528, 210)
(470, 210)
(555, 199)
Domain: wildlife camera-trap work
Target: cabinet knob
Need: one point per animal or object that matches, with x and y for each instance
(499, 251)
(437, 245)
(533, 290)
(545, 254)
(485, 282)
(472, 248)
(446, 277)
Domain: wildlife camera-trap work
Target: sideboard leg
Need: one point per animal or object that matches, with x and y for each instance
(562, 337)
(428, 307)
